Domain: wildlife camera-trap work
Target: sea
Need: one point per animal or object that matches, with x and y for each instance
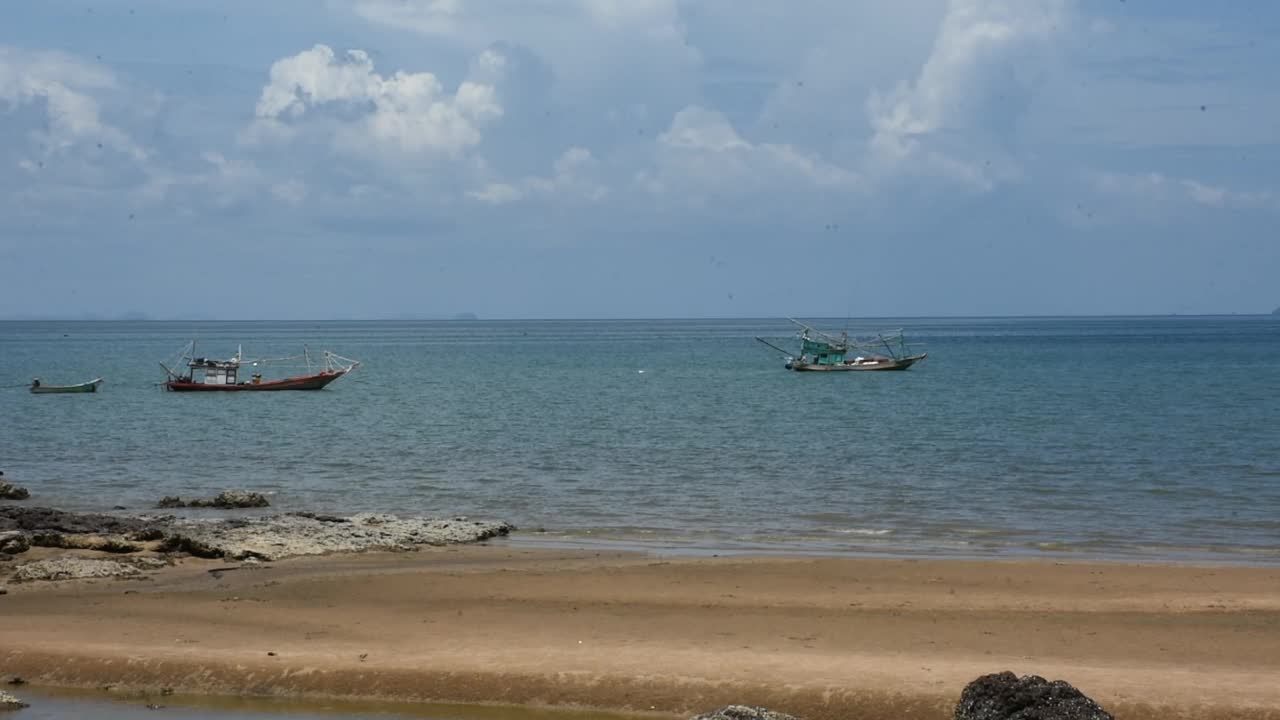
(1126, 438)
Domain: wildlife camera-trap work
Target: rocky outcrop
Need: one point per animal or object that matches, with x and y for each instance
(1005, 696)
(9, 491)
(13, 542)
(41, 519)
(225, 500)
(268, 538)
(73, 568)
(9, 702)
(114, 545)
(743, 712)
(293, 535)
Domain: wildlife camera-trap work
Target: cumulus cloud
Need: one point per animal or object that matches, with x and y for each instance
(1159, 190)
(217, 181)
(701, 149)
(401, 113)
(65, 86)
(572, 178)
(970, 82)
(589, 44)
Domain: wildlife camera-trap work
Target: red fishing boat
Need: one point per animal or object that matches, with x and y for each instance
(212, 375)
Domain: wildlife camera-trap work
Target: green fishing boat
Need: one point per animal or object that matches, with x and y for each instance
(85, 387)
(820, 352)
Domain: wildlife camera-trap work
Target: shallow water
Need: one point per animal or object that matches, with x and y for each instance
(1105, 437)
(50, 704)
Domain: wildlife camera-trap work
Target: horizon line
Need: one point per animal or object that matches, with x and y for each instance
(634, 318)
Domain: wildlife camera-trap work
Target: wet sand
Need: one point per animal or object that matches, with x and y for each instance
(816, 637)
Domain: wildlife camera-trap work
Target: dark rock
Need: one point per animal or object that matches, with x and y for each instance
(1005, 696)
(34, 519)
(13, 542)
(15, 681)
(191, 546)
(226, 500)
(320, 518)
(743, 712)
(114, 546)
(239, 499)
(9, 491)
(48, 538)
(82, 542)
(146, 535)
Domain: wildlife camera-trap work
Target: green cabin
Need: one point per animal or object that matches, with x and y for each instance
(819, 352)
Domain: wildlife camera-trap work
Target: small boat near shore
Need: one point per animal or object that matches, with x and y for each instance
(211, 375)
(40, 388)
(820, 352)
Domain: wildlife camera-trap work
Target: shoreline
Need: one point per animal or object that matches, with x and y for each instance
(676, 545)
(197, 520)
(818, 637)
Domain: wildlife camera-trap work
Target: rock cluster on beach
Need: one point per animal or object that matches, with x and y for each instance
(226, 500)
(304, 534)
(1005, 696)
(9, 702)
(999, 696)
(264, 538)
(13, 542)
(9, 491)
(74, 568)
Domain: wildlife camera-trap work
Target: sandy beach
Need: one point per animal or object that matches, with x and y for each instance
(816, 637)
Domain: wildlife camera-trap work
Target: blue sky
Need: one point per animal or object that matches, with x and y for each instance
(638, 158)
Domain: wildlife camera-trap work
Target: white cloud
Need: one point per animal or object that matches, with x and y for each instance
(1156, 190)
(217, 181)
(572, 178)
(589, 44)
(430, 17)
(292, 192)
(960, 88)
(697, 128)
(65, 86)
(702, 151)
(401, 113)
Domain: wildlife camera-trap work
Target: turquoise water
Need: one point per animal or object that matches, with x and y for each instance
(1109, 437)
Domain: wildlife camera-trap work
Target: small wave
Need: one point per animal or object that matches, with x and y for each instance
(865, 531)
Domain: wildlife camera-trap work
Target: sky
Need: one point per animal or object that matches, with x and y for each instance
(313, 159)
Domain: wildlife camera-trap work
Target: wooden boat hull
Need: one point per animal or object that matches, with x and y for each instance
(885, 366)
(302, 382)
(87, 387)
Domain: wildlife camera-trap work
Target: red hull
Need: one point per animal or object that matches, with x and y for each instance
(304, 382)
